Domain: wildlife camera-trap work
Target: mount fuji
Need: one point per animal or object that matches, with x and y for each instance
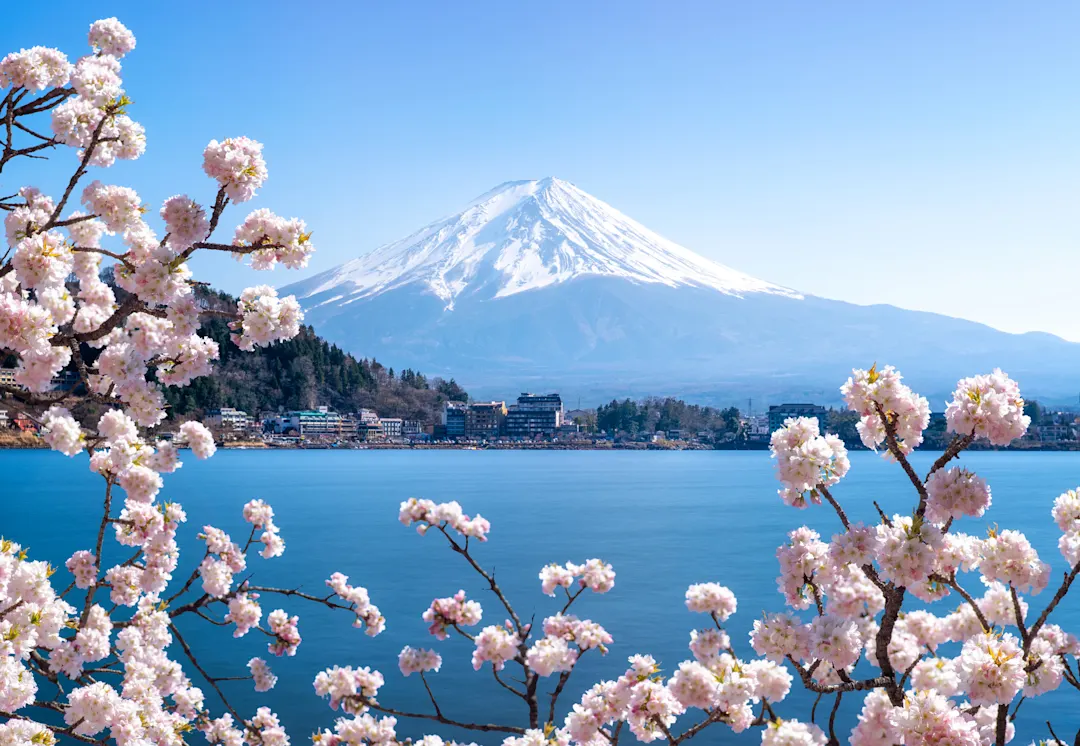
(537, 284)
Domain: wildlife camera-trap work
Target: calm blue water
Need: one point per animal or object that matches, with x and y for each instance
(664, 520)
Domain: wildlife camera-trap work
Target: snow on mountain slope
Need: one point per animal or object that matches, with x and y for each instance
(520, 236)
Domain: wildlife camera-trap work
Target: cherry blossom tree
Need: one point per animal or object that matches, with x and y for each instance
(93, 653)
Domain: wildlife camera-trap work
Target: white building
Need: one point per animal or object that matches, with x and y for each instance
(228, 418)
(392, 427)
(757, 427)
(319, 422)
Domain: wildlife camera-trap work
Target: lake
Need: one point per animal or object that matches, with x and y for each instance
(664, 520)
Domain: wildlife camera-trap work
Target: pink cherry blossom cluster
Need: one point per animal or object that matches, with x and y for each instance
(285, 630)
(286, 241)
(186, 222)
(264, 678)
(109, 36)
(586, 633)
(198, 438)
(988, 407)
(452, 612)
(711, 598)
(596, 575)
(97, 79)
(1066, 514)
(720, 684)
(793, 733)
(806, 460)
(62, 432)
(548, 655)
(76, 122)
(367, 613)
(418, 660)
(954, 493)
(35, 69)
(349, 688)
(238, 166)
(244, 612)
(880, 397)
(1008, 556)
(496, 645)
(265, 729)
(261, 516)
(706, 644)
(778, 636)
(364, 730)
(427, 514)
(265, 318)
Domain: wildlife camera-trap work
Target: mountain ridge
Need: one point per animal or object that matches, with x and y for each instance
(538, 284)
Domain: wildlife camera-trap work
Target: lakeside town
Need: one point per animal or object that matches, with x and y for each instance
(537, 421)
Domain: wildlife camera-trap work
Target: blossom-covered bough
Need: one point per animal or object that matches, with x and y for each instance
(101, 658)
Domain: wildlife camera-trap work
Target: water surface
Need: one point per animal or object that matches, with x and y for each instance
(663, 519)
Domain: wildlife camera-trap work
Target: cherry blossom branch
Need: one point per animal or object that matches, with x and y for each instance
(1002, 724)
(1019, 617)
(431, 695)
(1016, 709)
(49, 140)
(952, 583)
(570, 598)
(836, 506)
(464, 552)
(506, 686)
(198, 667)
(131, 305)
(898, 454)
(1068, 672)
(1058, 597)
(833, 740)
(221, 201)
(485, 727)
(563, 678)
(958, 444)
(92, 250)
(97, 549)
(894, 600)
(807, 676)
(881, 514)
(88, 154)
(714, 716)
(664, 729)
(325, 601)
(45, 102)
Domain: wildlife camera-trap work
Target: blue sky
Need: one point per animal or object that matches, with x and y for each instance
(921, 154)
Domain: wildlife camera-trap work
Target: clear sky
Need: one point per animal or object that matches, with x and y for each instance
(922, 154)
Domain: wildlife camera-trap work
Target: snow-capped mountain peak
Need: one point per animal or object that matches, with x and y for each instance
(536, 285)
(522, 236)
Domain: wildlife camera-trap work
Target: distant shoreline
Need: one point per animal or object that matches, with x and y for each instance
(25, 442)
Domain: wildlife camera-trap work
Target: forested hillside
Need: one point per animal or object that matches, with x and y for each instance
(303, 373)
(300, 373)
